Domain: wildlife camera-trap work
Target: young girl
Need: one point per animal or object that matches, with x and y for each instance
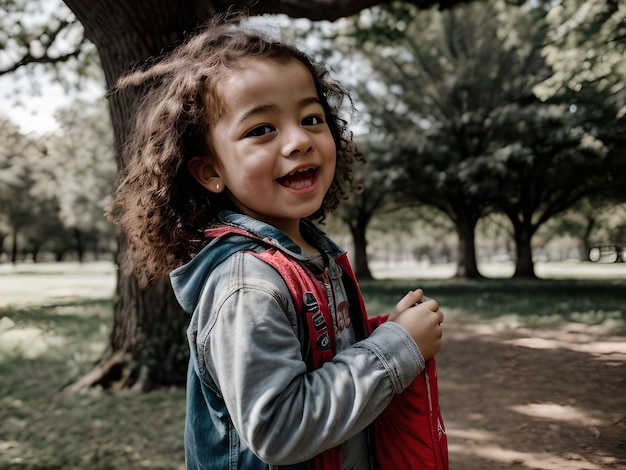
(237, 146)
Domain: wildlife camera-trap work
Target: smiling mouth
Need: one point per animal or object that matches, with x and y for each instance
(299, 179)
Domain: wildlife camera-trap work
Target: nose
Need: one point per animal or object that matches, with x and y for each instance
(296, 140)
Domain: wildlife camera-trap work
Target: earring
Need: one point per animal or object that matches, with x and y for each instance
(217, 186)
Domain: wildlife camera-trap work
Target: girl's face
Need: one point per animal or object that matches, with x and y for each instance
(273, 150)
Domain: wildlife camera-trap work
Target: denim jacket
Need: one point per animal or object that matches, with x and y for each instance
(251, 404)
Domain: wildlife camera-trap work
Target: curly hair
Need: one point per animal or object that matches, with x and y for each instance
(159, 206)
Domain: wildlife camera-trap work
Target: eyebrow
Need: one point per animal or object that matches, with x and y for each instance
(270, 107)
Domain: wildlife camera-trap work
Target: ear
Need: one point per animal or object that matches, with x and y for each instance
(204, 173)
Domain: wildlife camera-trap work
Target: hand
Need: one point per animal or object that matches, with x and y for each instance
(421, 320)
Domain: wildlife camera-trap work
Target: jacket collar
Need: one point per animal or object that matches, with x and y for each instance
(278, 239)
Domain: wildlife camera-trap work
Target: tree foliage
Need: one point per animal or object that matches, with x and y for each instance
(54, 187)
(456, 93)
(586, 46)
(80, 164)
(445, 81)
(44, 33)
(15, 183)
(79, 167)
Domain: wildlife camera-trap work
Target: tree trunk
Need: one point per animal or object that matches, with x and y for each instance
(361, 265)
(524, 265)
(147, 347)
(586, 238)
(466, 266)
(3, 237)
(36, 249)
(14, 245)
(80, 246)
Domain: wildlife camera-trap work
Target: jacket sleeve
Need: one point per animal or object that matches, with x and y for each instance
(286, 415)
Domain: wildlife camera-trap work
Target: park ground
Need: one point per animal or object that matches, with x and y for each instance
(518, 391)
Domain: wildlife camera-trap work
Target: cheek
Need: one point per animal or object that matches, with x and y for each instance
(250, 172)
(326, 143)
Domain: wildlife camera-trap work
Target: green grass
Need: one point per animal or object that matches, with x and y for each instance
(531, 302)
(42, 348)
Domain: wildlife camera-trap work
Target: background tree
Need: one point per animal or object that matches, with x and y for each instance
(78, 171)
(550, 164)
(18, 205)
(45, 233)
(444, 79)
(53, 188)
(593, 223)
(458, 97)
(568, 146)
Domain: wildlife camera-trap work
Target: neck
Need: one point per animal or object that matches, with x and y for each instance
(296, 235)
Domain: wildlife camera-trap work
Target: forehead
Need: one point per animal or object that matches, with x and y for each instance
(260, 76)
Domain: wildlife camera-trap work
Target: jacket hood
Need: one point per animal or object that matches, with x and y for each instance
(188, 280)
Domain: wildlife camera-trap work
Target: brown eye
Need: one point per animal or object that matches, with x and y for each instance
(261, 131)
(312, 121)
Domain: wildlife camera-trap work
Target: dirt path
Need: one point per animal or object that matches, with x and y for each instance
(550, 399)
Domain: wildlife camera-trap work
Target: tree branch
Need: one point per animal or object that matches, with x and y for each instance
(331, 10)
(28, 58)
(46, 40)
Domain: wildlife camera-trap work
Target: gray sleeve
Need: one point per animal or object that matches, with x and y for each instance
(285, 414)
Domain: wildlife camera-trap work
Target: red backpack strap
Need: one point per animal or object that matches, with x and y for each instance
(309, 299)
(222, 230)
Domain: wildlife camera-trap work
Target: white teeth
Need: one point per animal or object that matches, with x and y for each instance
(301, 170)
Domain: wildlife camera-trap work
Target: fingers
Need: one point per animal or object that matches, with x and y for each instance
(436, 317)
(410, 299)
(430, 304)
